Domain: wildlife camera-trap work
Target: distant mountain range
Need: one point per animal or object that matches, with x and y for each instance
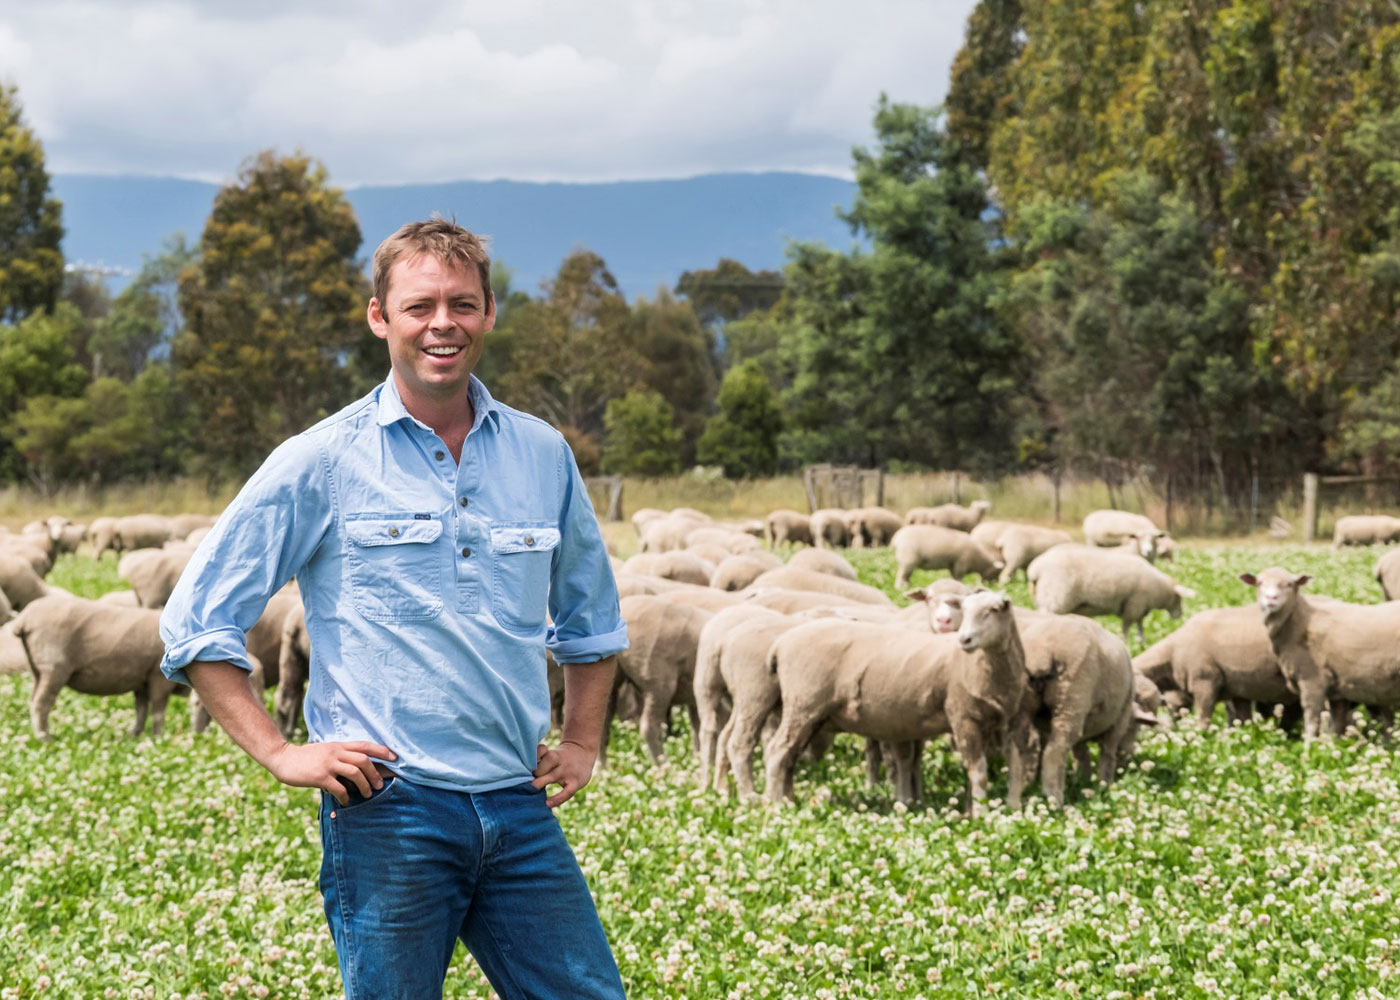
(647, 231)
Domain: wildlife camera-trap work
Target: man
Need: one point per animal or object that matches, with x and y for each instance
(429, 528)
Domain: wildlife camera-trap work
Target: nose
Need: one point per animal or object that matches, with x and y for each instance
(442, 318)
(944, 623)
(965, 641)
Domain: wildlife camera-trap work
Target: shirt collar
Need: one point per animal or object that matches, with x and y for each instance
(392, 410)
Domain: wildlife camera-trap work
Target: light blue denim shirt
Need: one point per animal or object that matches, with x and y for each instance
(426, 583)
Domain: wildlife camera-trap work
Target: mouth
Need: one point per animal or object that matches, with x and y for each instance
(443, 351)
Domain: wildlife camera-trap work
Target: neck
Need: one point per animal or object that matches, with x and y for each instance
(1005, 664)
(451, 416)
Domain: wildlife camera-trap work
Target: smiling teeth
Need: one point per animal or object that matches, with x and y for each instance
(443, 352)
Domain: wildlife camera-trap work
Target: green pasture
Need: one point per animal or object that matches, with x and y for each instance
(1232, 863)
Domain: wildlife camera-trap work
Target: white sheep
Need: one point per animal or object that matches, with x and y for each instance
(872, 527)
(823, 561)
(785, 527)
(738, 571)
(927, 546)
(1081, 579)
(1330, 651)
(1387, 574)
(949, 515)
(902, 687)
(801, 579)
(1109, 528)
(1019, 545)
(829, 528)
(1365, 529)
(1220, 653)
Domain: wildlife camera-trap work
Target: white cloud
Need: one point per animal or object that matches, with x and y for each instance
(437, 89)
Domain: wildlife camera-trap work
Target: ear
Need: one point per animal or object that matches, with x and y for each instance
(1185, 592)
(1004, 604)
(1250, 579)
(916, 595)
(1301, 579)
(1146, 718)
(378, 323)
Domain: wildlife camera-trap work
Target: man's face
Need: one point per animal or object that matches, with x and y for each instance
(435, 320)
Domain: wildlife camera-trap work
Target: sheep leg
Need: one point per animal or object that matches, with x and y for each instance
(159, 695)
(973, 751)
(901, 579)
(694, 715)
(874, 757)
(1239, 711)
(608, 717)
(720, 759)
(200, 718)
(1052, 764)
(739, 750)
(1383, 721)
(1083, 761)
(782, 750)
(711, 738)
(905, 765)
(652, 723)
(1204, 693)
(142, 704)
(1340, 711)
(41, 701)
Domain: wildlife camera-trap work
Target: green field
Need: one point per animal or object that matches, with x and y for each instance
(1230, 863)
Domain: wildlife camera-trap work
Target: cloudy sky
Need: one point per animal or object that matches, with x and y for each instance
(428, 90)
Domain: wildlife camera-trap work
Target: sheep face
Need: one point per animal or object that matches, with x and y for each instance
(944, 601)
(986, 619)
(1277, 589)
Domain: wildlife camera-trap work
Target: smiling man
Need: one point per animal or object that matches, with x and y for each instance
(442, 542)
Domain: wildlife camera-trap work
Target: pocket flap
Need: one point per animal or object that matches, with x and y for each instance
(531, 538)
(392, 532)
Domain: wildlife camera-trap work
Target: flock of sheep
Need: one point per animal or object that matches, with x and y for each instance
(112, 645)
(721, 626)
(790, 653)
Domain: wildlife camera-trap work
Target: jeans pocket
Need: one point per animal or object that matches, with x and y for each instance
(376, 795)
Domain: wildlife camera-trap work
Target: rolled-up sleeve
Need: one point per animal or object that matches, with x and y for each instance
(262, 540)
(583, 602)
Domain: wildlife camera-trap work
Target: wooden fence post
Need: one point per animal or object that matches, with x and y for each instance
(1309, 506)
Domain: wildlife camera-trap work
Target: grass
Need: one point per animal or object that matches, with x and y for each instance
(1229, 863)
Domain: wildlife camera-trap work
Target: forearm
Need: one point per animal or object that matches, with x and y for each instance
(227, 692)
(587, 688)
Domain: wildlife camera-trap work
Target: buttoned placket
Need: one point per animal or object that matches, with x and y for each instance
(469, 543)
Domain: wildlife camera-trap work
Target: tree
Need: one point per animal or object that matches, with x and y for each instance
(642, 436)
(729, 291)
(31, 225)
(743, 436)
(679, 362)
(144, 317)
(898, 352)
(979, 91)
(273, 305)
(568, 351)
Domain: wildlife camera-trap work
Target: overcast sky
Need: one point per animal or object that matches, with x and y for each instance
(429, 90)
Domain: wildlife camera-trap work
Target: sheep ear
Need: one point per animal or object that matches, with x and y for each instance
(1004, 604)
(916, 595)
(1185, 592)
(1301, 579)
(1250, 579)
(1146, 718)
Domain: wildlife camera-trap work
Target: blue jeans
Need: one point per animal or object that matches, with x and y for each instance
(411, 869)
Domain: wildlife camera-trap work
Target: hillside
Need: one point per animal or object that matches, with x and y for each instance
(647, 231)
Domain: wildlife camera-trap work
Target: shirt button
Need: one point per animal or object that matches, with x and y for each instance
(529, 540)
(393, 532)
(439, 455)
(463, 501)
(466, 553)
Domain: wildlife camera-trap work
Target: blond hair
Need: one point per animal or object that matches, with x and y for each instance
(439, 237)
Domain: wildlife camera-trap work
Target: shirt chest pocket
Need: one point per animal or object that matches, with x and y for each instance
(521, 557)
(395, 567)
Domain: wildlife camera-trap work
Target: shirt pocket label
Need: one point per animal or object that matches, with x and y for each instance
(521, 557)
(395, 567)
